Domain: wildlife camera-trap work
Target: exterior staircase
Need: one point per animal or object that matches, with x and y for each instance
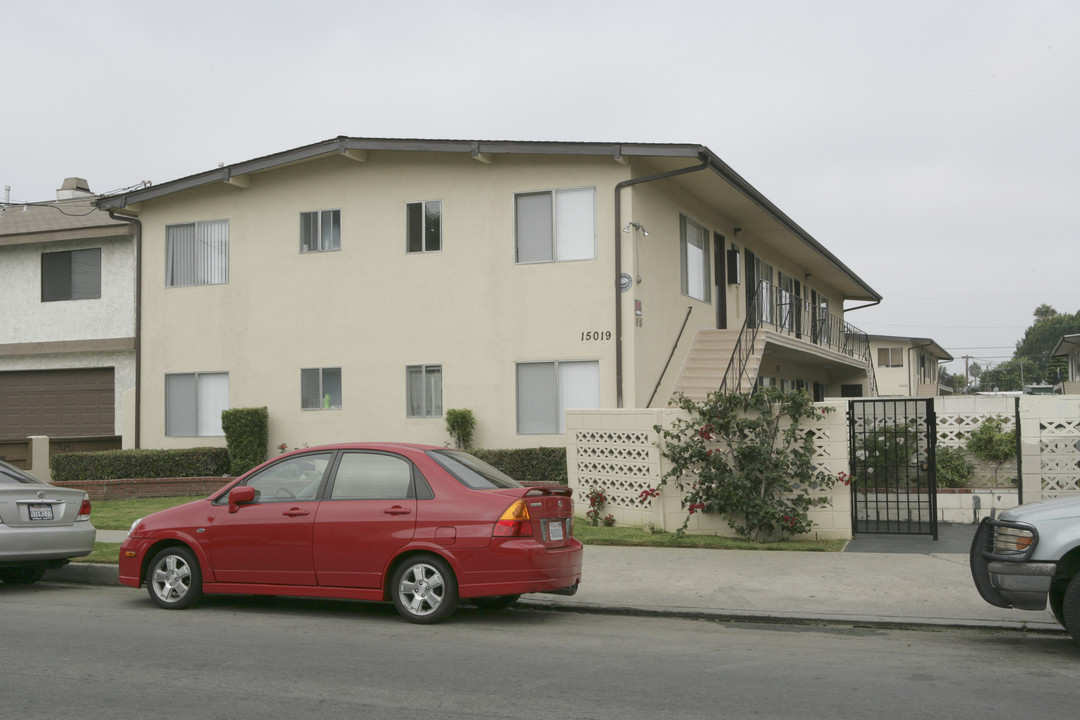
(707, 362)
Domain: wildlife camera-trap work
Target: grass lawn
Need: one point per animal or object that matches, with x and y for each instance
(119, 514)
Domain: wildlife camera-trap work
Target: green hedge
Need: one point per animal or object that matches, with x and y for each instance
(246, 433)
(528, 464)
(116, 464)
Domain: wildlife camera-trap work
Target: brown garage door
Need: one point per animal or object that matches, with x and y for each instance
(57, 403)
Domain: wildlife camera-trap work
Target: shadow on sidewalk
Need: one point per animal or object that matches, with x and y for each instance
(952, 538)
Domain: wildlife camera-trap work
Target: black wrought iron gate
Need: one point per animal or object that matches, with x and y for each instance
(894, 487)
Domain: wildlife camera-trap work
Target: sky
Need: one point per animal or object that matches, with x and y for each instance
(934, 147)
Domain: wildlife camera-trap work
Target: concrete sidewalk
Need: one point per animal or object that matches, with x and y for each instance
(900, 587)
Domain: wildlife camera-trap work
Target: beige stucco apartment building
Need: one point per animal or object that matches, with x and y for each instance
(907, 366)
(358, 288)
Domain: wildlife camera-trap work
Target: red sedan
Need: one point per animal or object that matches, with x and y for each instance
(418, 525)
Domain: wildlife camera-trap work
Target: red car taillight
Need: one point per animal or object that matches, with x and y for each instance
(84, 510)
(514, 522)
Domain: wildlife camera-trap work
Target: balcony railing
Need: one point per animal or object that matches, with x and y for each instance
(779, 310)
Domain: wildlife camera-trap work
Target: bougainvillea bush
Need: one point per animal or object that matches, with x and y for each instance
(749, 457)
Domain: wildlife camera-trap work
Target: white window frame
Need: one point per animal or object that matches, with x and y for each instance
(425, 230)
(321, 217)
(565, 239)
(199, 259)
(894, 357)
(324, 403)
(207, 412)
(694, 260)
(82, 264)
(430, 406)
(567, 394)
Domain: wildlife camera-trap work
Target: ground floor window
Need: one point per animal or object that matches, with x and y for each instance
(423, 390)
(546, 390)
(193, 404)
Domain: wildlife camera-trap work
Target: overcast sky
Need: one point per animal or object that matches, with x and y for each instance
(934, 147)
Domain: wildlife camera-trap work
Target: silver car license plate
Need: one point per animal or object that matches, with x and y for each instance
(41, 512)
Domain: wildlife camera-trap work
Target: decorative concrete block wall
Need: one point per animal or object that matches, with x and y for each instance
(618, 451)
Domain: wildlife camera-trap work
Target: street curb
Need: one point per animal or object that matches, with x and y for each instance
(103, 574)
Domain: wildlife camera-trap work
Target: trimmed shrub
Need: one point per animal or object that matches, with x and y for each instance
(247, 430)
(460, 425)
(544, 464)
(119, 464)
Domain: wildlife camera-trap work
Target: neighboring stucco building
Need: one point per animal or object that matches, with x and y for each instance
(1069, 347)
(359, 287)
(67, 330)
(907, 366)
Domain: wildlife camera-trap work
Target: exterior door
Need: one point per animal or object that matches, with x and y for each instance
(368, 515)
(720, 280)
(269, 540)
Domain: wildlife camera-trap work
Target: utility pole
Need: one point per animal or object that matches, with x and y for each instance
(966, 358)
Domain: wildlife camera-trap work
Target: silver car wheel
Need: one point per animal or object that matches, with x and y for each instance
(171, 578)
(421, 589)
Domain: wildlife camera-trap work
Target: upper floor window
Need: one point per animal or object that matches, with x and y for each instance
(424, 390)
(546, 390)
(694, 257)
(193, 404)
(890, 357)
(320, 231)
(555, 225)
(423, 226)
(197, 253)
(320, 389)
(71, 275)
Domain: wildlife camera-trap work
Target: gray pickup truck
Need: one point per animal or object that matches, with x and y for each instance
(1030, 555)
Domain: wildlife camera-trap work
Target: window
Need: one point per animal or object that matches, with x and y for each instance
(193, 404)
(320, 231)
(890, 357)
(320, 389)
(694, 257)
(71, 275)
(423, 390)
(197, 254)
(546, 390)
(292, 479)
(555, 225)
(372, 476)
(786, 301)
(766, 298)
(423, 226)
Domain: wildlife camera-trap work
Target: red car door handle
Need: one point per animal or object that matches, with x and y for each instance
(295, 512)
(397, 510)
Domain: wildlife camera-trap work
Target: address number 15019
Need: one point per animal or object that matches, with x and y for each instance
(595, 335)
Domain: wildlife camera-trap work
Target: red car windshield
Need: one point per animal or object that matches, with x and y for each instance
(472, 472)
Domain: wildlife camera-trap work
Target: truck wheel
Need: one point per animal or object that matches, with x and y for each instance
(1070, 608)
(1057, 600)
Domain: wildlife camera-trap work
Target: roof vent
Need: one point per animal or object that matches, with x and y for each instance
(73, 187)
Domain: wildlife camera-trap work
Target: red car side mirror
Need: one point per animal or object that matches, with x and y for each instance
(240, 495)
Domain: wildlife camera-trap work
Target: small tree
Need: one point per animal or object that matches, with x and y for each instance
(460, 425)
(747, 456)
(954, 470)
(991, 443)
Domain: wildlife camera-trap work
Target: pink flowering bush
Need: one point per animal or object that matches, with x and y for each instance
(748, 457)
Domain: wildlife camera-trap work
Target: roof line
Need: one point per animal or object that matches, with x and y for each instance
(342, 144)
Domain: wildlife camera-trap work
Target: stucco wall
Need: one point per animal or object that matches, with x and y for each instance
(26, 319)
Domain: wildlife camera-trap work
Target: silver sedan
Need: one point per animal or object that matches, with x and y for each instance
(41, 526)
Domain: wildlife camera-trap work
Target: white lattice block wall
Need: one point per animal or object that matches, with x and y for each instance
(1050, 446)
(958, 417)
(617, 451)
